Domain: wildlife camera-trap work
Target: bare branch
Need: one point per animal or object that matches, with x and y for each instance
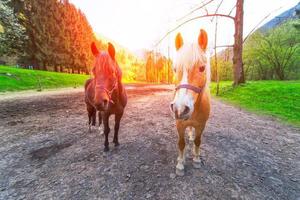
(224, 46)
(261, 21)
(217, 9)
(198, 8)
(206, 11)
(216, 57)
(192, 19)
(232, 9)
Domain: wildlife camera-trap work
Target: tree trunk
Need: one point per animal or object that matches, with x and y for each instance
(216, 58)
(55, 68)
(238, 68)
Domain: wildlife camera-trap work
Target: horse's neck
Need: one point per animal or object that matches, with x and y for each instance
(203, 95)
(118, 92)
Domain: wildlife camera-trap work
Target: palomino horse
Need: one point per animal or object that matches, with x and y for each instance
(191, 104)
(105, 92)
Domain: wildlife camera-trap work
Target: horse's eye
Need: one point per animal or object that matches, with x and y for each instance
(202, 68)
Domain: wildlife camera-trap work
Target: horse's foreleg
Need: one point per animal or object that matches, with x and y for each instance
(94, 118)
(197, 142)
(91, 114)
(100, 121)
(106, 131)
(117, 126)
(191, 141)
(181, 146)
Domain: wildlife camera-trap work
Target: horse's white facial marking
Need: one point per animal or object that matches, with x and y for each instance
(188, 56)
(183, 97)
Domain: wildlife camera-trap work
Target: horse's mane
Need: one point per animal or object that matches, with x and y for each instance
(105, 65)
(190, 54)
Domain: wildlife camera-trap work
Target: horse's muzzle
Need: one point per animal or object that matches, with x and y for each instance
(180, 114)
(102, 105)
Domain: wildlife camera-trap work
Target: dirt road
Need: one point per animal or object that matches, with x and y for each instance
(46, 152)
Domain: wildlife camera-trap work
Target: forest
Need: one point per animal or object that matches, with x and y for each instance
(57, 37)
(267, 55)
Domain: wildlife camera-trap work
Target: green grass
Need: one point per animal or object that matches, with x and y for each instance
(280, 99)
(15, 79)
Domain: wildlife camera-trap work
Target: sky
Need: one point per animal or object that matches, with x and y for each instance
(139, 24)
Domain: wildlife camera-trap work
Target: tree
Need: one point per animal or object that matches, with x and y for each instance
(59, 35)
(158, 68)
(12, 36)
(238, 69)
(275, 53)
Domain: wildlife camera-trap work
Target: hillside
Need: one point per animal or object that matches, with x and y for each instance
(16, 79)
(279, 19)
(227, 54)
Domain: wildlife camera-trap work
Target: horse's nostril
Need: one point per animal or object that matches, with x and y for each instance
(172, 106)
(186, 110)
(105, 102)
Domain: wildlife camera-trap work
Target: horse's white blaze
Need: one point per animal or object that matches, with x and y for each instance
(183, 97)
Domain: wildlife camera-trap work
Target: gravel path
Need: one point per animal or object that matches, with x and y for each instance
(46, 152)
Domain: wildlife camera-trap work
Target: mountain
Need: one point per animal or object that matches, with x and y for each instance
(276, 21)
(273, 23)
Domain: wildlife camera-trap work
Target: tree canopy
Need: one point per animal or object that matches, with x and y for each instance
(274, 54)
(58, 34)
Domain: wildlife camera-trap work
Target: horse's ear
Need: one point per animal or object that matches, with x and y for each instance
(111, 50)
(94, 49)
(202, 39)
(178, 41)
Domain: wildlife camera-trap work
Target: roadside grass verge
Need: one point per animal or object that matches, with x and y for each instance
(280, 99)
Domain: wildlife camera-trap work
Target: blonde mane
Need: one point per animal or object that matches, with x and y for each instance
(189, 55)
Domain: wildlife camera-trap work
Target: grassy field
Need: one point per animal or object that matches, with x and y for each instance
(280, 99)
(15, 79)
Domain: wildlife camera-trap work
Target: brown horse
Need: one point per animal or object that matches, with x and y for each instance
(105, 92)
(191, 104)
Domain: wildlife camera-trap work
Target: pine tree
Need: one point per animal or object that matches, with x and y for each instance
(12, 36)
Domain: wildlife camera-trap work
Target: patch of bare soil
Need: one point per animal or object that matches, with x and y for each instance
(46, 152)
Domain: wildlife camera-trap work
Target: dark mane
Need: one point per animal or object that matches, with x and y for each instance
(104, 64)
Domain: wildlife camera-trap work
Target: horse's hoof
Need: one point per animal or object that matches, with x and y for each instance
(180, 172)
(117, 144)
(106, 149)
(197, 163)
